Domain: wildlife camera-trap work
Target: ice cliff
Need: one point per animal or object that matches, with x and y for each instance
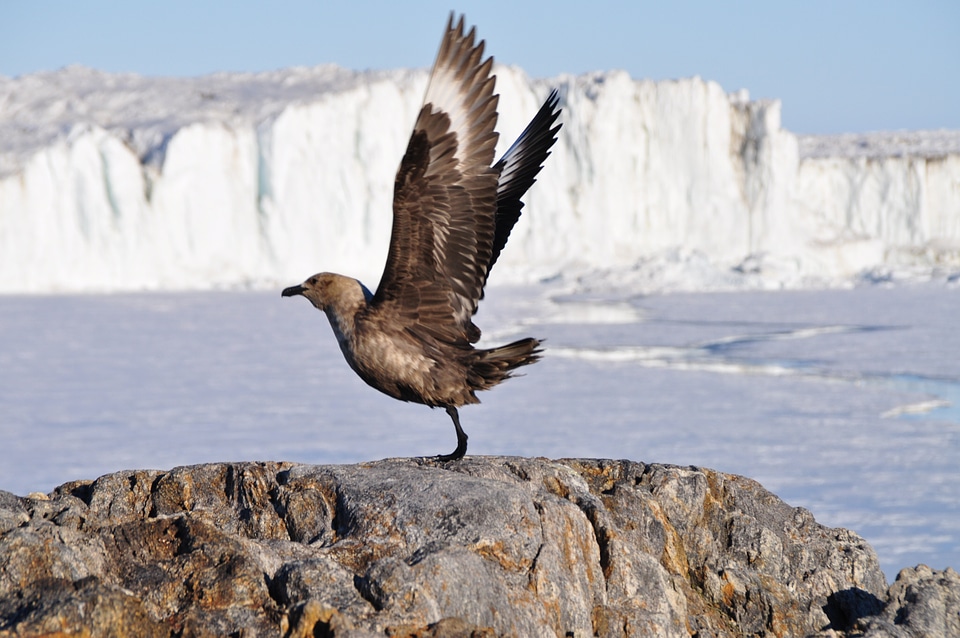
(116, 182)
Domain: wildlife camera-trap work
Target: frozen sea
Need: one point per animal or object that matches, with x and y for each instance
(844, 402)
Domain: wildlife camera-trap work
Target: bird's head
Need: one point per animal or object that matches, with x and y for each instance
(327, 291)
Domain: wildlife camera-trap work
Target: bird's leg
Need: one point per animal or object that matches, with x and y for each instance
(461, 438)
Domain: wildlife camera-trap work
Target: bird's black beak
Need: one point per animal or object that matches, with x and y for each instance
(292, 291)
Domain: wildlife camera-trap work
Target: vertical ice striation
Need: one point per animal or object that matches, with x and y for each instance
(115, 182)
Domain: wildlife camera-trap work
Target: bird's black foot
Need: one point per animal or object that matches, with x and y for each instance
(456, 455)
(461, 440)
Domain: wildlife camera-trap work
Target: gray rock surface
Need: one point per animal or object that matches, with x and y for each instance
(487, 546)
(921, 602)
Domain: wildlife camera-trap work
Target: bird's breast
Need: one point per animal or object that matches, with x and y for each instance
(397, 364)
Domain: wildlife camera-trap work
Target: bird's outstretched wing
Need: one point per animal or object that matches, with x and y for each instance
(518, 169)
(444, 200)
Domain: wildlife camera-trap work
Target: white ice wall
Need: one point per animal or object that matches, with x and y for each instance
(241, 193)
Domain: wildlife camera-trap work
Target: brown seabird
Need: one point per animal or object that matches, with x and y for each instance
(453, 209)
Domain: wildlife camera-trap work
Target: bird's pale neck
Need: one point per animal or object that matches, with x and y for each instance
(342, 298)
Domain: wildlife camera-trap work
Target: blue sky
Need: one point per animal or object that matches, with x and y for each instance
(840, 66)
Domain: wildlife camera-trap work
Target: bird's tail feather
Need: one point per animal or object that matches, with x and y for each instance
(497, 364)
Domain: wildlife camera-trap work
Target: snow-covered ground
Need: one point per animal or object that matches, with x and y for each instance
(841, 401)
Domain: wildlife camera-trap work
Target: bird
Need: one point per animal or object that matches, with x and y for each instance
(453, 210)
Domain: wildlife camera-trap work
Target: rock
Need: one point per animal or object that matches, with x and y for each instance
(922, 602)
(486, 546)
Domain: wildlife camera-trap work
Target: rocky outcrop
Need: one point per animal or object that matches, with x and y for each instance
(486, 546)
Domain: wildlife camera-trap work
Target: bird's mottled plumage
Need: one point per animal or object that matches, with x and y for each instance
(453, 210)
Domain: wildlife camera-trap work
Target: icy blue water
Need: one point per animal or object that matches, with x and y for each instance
(843, 402)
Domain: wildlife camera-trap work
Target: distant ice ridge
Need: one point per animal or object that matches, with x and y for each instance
(119, 182)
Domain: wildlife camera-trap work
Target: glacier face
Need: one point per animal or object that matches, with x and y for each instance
(118, 182)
